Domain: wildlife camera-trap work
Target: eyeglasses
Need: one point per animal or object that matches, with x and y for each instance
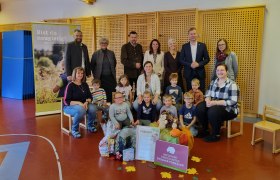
(118, 97)
(221, 44)
(188, 98)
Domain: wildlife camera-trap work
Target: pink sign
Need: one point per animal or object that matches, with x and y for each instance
(173, 156)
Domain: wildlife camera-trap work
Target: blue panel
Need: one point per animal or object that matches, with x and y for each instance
(13, 46)
(12, 78)
(18, 72)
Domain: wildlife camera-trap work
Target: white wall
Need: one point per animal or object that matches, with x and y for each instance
(15, 11)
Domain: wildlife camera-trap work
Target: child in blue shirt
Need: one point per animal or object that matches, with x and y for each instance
(187, 114)
(174, 90)
(146, 113)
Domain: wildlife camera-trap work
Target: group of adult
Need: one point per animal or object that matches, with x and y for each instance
(151, 71)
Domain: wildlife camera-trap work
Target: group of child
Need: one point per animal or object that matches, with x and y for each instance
(120, 111)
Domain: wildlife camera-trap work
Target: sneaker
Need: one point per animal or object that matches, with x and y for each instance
(76, 134)
(212, 138)
(92, 129)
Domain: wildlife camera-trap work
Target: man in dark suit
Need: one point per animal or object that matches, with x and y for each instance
(132, 58)
(194, 56)
(77, 55)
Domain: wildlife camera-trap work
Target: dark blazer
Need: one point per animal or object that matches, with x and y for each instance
(97, 62)
(74, 57)
(131, 55)
(202, 58)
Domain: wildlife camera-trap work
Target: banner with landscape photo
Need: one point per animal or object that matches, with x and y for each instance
(49, 43)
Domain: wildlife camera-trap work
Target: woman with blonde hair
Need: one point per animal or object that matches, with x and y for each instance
(172, 63)
(103, 66)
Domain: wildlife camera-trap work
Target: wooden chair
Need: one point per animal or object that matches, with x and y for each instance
(65, 129)
(227, 124)
(264, 125)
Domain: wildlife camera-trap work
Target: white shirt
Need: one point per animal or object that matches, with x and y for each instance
(193, 50)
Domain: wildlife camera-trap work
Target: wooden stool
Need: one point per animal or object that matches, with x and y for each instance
(227, 124)
(68, 130)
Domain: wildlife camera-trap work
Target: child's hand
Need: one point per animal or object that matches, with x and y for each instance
(136, 123)
(118, 126)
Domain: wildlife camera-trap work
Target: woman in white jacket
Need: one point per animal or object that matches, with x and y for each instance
(148, 81)
(156, 56)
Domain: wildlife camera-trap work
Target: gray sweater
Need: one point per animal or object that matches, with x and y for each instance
(232, 64)
(120, 112)
(172, 109)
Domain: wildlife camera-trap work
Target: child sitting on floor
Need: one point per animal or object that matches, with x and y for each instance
(146, 113)
(119, 112)
(187, 114)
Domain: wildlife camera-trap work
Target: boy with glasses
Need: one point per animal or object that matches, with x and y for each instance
(187, 114)
(119, 112)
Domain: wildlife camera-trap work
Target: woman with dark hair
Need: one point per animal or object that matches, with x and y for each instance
(220, 104)
(148, 81)
(155, 56)
(77, 102)
(227, 57)
(103, 66)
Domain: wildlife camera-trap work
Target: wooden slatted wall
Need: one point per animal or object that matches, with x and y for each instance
(145, 26)
(243, 28)
(114, 28)
(175, 24)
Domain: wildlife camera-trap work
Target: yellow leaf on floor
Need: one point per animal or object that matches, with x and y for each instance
(143, 162)
(166, 175)
(130, 169)
(124, 163)
(196, 159)
(192, 171)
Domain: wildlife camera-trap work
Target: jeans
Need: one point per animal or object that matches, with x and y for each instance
(78, 113)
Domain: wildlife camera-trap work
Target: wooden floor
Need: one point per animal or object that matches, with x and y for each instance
(227, 159)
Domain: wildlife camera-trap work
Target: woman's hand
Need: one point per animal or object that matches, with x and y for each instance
(140, 99)
(211, 103)
(155, 100)
(85, 105)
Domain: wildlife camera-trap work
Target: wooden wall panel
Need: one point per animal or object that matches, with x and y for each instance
(243, 29)
(65, 20)
(145, 26)
(175, 24)
(114, 28)
(14, 27)
(87, 27)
